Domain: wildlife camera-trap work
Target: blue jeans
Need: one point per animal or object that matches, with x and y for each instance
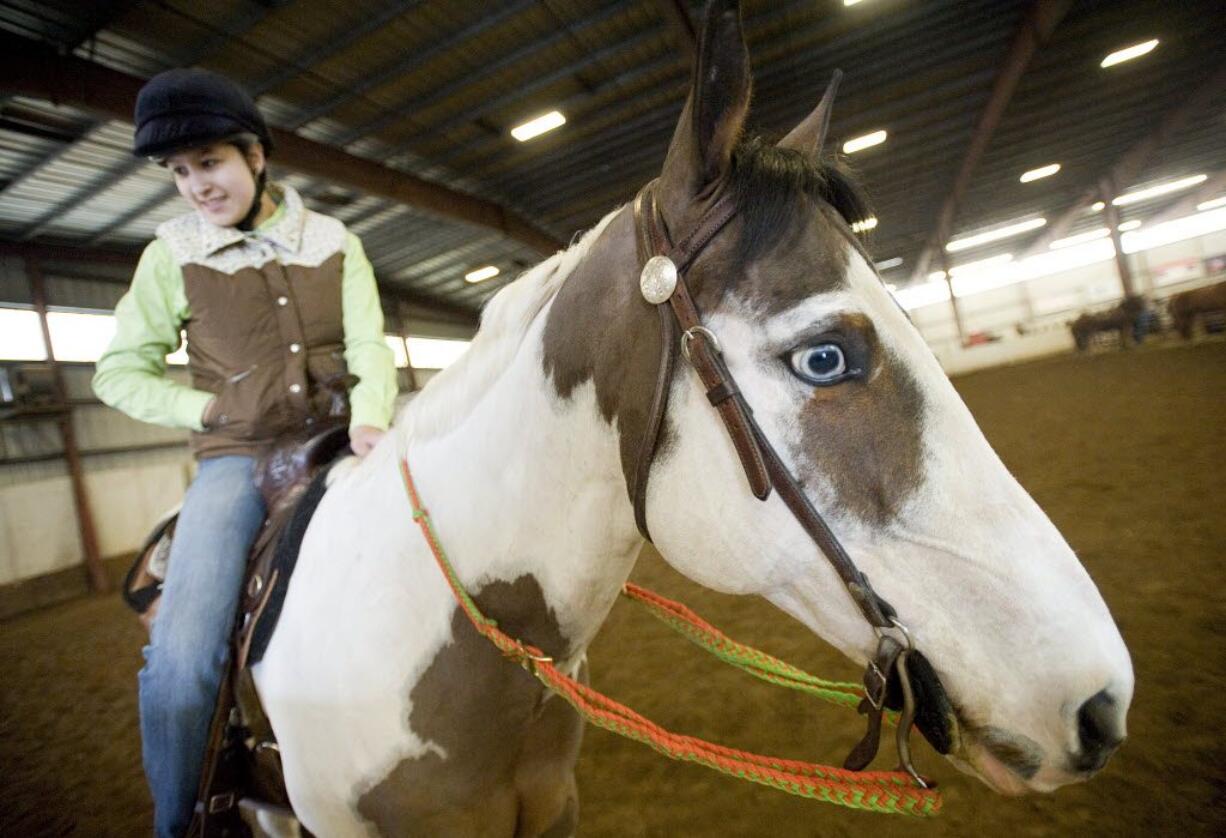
(190, 644)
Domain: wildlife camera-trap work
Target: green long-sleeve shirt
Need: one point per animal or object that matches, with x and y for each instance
(131, 374)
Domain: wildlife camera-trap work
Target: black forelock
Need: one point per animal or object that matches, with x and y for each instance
(773, 186)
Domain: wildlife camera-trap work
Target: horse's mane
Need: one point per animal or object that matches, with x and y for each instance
(771, 185)
(455, 391)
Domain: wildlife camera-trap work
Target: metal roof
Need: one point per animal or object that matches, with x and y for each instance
(432, 89)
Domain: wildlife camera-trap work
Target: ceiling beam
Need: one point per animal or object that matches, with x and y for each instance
(676, 13)
(1212, 188)
(50, 252)
(1129, 166)
(1037, 26)
(32, 69)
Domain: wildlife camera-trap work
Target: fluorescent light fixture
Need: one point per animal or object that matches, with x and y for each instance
(864, 226)
(1158, 189)
(539, 125)
(1041, 172)
(851, 2)
(435, 353)
(1214, 204)
(988, 236)
(865, 141)
(1129, 225)
(969, 268)
(1097, 206)
(1080, 238)
(482, 274)
(1129, 53)
(889, 263)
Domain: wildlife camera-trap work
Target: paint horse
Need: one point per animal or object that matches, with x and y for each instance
(395, 717)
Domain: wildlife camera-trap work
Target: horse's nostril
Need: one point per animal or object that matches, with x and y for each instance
(1100, 730)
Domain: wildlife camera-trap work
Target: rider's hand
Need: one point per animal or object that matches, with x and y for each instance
(362, 438)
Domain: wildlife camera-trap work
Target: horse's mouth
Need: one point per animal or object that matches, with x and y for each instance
(1005, 762)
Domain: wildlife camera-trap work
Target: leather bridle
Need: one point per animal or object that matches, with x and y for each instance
(662, 282)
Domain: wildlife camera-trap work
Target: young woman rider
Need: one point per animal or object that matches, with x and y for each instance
(278, 302)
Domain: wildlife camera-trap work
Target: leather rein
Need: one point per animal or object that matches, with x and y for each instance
(663, 285)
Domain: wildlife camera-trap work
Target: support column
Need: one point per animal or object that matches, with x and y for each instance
(953, 299)
(1107, 191)
(98, 581)
(402, 316)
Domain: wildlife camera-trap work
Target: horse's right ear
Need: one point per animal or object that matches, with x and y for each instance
(810, 135)
(710, 125)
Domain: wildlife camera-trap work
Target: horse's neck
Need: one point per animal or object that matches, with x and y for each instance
(530, 485)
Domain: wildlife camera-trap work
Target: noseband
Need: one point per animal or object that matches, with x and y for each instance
(662, 283)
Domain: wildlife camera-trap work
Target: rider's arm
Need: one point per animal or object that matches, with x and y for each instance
(131, 375)
(366, 352)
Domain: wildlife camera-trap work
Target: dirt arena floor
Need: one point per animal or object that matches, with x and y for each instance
(1125, 450)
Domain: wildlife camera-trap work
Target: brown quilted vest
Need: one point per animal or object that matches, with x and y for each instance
(265, 333)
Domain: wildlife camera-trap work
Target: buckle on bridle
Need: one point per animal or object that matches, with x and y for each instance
(691, 333)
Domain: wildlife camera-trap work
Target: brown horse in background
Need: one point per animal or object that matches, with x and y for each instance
(1124, 318)
(1186, 305)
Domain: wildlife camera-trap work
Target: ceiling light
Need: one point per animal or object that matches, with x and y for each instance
(889, 263)
(1214, 204)
(1097, 206)
(866, 141)
(1129, 53)
(1080, 238)
(1158, 189)
(967, 242)
(981, 264)
(1041, 172)
(482, 274)
(864, 226)
(850, 2)
(539, 125)
(1129, 225)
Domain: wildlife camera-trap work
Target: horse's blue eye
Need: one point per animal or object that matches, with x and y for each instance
(824, 363)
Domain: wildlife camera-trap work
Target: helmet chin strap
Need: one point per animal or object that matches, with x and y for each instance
(248, 221)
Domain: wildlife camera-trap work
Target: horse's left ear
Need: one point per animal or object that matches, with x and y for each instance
(810, 135)
(710, 125)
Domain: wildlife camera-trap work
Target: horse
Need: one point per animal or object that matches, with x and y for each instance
(1186, 306)
(394, 715)
(1127, 318)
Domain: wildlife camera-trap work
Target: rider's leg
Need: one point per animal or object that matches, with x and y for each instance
(189, 646)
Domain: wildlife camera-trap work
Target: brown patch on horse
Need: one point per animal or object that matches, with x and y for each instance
(811, 258)
(865, 434)
(509, 754)
(621, 353)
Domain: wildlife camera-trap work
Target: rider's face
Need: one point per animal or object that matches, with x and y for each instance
(217, 180)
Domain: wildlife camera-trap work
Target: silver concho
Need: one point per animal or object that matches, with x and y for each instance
(658, 279)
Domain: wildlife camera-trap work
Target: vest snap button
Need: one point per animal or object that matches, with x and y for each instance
(281, 301)
(295, 348)
(295, 388)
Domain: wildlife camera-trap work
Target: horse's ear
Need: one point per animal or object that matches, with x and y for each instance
(810, 135)
(701, 149)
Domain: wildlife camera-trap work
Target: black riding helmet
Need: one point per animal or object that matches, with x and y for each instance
(187, 108)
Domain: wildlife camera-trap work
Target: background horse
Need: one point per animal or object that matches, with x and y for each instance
(1125, 318)
(1186, 306)
(393, 715)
